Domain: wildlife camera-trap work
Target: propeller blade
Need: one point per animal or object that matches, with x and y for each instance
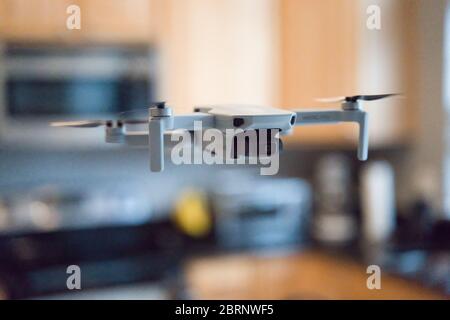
(331, 99)
(96, 123)
(79, 124)
(132, 112)
(134, 121)
(369, 97)
(143, 111)
(373, 97)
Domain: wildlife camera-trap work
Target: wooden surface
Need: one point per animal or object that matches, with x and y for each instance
(271, 52)
(218, 52)
(327, 50)
(319, 47)
(110, 21)
(309, 275)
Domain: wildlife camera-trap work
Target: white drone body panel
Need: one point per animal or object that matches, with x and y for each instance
(248, 117)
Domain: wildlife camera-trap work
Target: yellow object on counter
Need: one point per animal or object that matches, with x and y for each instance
(192, 215)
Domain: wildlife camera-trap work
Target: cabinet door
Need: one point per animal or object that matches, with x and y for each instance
(33, 20)
(327, 50)
(388, 61)
(319, 51)
(119, 20)
(218, 52)
(101, 20)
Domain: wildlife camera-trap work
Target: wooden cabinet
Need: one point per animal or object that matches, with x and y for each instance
(118, 20)
(101, 20)
(272, 52)
(219, 52)
(318, 50)
(33, 20)
(327, 50)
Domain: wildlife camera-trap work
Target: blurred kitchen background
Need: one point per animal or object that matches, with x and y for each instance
(68, 198)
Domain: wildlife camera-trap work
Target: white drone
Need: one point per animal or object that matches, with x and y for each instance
(161, 120)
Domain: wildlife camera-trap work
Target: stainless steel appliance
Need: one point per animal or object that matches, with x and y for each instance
(261, 212)
(45, 83)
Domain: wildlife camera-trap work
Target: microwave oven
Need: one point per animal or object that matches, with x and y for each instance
(46, 83)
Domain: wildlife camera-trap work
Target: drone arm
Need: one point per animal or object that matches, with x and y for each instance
(362, 119)
(156, 144)
(159, 124)
(306, 117)
(363, 144)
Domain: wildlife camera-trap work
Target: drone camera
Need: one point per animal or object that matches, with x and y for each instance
(237, 122)
(292, 120)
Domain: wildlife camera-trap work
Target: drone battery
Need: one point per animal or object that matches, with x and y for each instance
(256, 144)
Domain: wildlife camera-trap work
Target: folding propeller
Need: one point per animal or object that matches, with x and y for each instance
(141, 111)
(123, 119)
(358, 97)
(96, 123)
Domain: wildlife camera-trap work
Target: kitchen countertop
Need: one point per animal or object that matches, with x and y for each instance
(307, 275)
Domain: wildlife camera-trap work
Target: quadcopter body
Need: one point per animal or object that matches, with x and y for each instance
(161, 121)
